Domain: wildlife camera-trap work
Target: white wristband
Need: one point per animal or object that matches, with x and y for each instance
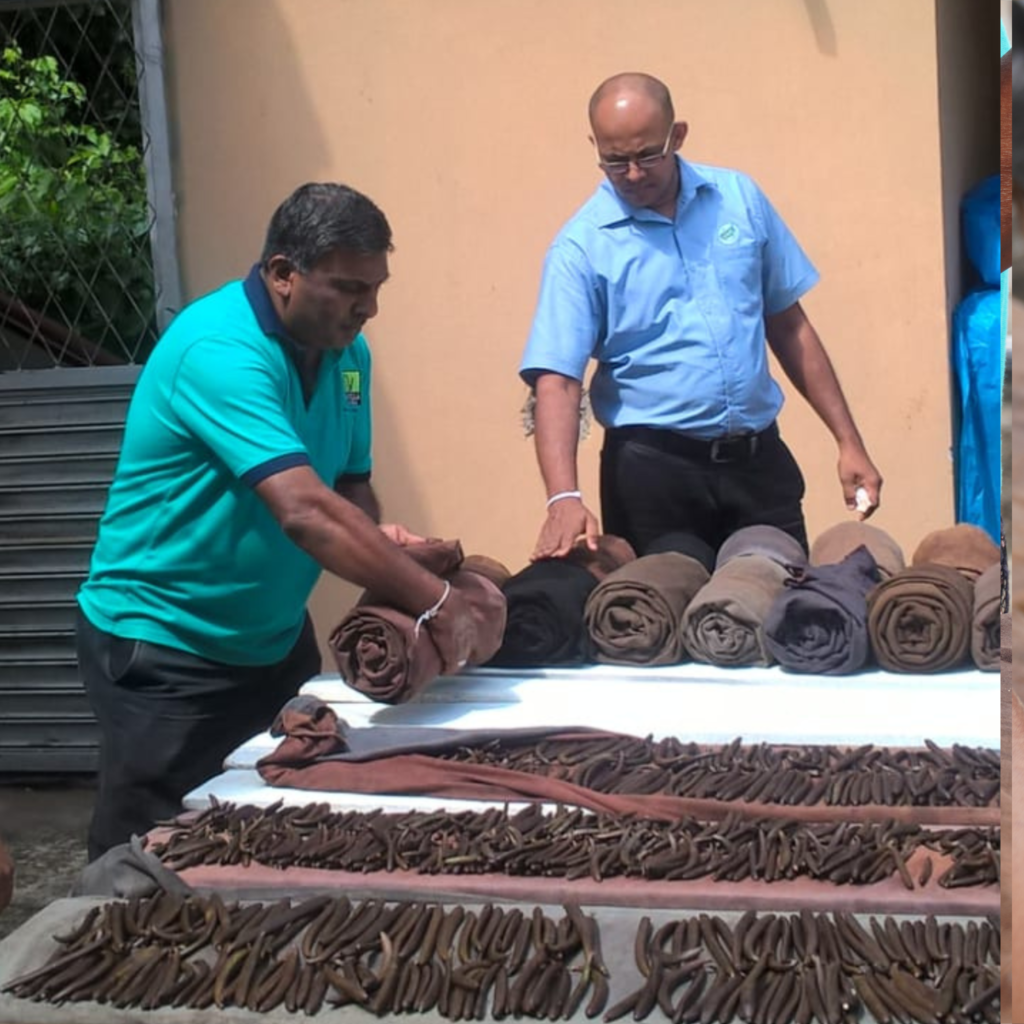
(562, 494)
(432, 611)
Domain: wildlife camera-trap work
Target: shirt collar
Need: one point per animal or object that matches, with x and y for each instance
(612, 209)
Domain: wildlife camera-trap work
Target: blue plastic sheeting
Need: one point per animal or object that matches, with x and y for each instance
(977, 364)
(980, 210)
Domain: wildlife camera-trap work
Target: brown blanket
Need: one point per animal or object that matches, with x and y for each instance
(303, 761)
(985, 622)
(634, 616)
(838, 541)
(966, 548)
(376, 647)
(920, 619)
(724, 623)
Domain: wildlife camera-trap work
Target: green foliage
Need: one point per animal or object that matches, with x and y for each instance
(74, 221)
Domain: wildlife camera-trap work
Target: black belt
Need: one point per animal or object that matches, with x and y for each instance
(733, 448)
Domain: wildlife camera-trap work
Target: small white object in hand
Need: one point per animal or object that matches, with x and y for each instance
(863, 501)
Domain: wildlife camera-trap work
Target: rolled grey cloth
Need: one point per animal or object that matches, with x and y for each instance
(767, 541)
(634, 616)
(838, 541)
(985, 625)
(724, 623)
(818, 624)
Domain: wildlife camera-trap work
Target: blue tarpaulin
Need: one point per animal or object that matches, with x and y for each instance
(978, 368)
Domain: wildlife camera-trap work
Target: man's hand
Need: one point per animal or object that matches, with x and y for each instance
(453, 633)
(400, 535)
(856, 470)
(567, 521)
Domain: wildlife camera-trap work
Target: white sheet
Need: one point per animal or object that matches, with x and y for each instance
(698, 703)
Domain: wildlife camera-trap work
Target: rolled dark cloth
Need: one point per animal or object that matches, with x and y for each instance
(684, 544)
(964, 547)
(380, 653)
(724, 623)
(985, 622)
(545, 615)
(818, 624)
(838, 541)
(767, 541)
(920, 619)
(634, 616)
(612, 553)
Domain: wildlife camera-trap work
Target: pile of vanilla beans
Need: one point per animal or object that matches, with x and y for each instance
(572, 843)
(765, 773)
(498, 962)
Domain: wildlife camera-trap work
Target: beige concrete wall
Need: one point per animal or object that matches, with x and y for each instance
(465, 120)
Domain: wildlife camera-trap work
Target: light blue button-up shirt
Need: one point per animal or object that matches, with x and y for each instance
(673, 311)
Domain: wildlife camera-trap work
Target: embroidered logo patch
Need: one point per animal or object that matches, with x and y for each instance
(728, 234)
(352, 387)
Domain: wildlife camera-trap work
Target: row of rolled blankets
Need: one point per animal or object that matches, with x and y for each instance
(686, 841)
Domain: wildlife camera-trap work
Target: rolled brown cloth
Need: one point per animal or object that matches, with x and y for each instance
(919, 620)
(985, 621)
(634, 616)
(838, 541)
(380, 653)
(766, 541)
(6, 875)
(612, 553)
(491, 568)
(964, 547)
(724, 623)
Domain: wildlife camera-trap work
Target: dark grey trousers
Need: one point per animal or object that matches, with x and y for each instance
(168, 719)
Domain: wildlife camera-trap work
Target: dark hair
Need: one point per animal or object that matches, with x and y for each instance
(317, 219)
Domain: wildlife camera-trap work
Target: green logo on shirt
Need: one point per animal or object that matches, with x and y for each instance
(352, 387)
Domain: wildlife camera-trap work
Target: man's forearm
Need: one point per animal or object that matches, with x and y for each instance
(557, 430)
(805, 362)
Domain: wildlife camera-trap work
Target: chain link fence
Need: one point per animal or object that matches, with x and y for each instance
(77, 212)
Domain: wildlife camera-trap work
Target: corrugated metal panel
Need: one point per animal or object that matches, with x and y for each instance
(60, 433)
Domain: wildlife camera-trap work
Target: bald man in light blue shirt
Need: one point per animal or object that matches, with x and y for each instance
(676, 278)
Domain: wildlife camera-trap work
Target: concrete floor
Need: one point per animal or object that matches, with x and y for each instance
(43, 821)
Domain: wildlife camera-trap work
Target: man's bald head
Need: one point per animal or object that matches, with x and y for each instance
(629, 86)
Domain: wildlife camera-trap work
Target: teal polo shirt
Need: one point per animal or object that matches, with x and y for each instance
(188, 555)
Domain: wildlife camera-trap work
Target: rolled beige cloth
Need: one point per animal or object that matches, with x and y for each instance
(724, 623)
(964, 547)
(838, 541)
(767, 541)
(920, 619)
(985, 623)
(634, 615)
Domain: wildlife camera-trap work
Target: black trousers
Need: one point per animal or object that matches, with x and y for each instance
(168, 719)
(655, 482)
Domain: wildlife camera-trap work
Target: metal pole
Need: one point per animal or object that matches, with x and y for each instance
(149, 55)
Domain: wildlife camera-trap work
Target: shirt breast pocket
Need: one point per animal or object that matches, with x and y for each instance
(738, 268)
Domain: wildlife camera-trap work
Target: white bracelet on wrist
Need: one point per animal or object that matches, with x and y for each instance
(563, 494)
(432, 611)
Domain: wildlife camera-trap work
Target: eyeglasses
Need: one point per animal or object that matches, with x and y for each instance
(618, 168)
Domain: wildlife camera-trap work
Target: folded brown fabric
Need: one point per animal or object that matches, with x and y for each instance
(964, 547)
(838, 541)
(304, 760)
(634, 616)
(483, 565)
(439, 556)
(985, 621)
(919, 620)
(766, 541)
(612, 553)
(379, 652)
(724, 623)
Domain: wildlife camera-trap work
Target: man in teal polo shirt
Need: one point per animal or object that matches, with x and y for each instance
(244, 471)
